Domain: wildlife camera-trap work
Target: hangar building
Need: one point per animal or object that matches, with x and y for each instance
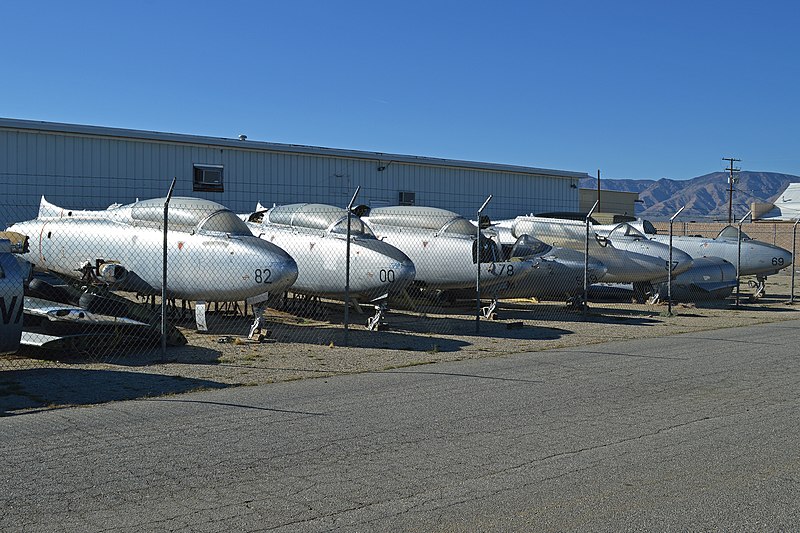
(91, 167)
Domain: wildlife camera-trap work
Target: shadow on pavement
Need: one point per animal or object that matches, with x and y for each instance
(49, 388)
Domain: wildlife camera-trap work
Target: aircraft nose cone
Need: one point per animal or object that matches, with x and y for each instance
(270, 269)
(285, 272)
(390, 269)
(655, 256)
(404, 275)
(597, 269)
(786, 255)
(681, 261)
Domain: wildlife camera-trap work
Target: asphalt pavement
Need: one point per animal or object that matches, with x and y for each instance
(690, 432)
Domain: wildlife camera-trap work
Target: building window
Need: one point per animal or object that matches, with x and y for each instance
(208, 178)
(407, 198)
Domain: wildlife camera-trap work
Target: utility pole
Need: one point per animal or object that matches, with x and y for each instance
(598, 187)
(731, 181)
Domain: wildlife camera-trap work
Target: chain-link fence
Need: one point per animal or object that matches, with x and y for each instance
(111, 286)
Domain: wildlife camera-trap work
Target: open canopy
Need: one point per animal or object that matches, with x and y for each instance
(313, 217)
(626, 230)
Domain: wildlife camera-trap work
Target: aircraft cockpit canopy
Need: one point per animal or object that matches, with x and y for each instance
(649, 228)
(527, 246)
(460, 226)
(357, 227)
(189, 215)
(731, 232)
(625, 229)
(423, 218)
(224, 221)
(317, 217)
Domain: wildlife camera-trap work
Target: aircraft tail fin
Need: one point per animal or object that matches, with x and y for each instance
(48, 210)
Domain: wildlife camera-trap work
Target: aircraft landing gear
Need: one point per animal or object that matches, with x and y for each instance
(376, 321)
(259, 322)
(488, 312)
(642, 291)
(760, 285)
(654, 298)
(574, 301)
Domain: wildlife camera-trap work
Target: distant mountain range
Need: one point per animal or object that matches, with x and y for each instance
(704, 196)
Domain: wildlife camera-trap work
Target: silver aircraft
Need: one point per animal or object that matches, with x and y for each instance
(558, 272)
(212, 255)
(626, 253)
(443, 246)
(315, 235)
(757, 258)
(710, 278)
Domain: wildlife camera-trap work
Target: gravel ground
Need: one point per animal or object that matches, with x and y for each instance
(300, 348)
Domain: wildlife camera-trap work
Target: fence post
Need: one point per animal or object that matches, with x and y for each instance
(669, 266)
(347, 271)
(794, 247)
(164, 273)
(586, 262)
(739, 256)
(478, 262)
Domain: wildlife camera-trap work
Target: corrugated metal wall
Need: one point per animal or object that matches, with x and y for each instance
(80, 171)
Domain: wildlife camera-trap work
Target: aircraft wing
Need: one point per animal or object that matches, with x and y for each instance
(57, 312)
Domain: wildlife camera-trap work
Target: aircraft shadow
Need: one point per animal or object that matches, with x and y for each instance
(392, 337)
(414, 331)
(566, 315)
(402, 330)
(510, 327)
(38, 389)
(132, 355)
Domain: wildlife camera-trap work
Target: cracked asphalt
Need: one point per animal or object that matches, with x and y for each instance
(697, 431)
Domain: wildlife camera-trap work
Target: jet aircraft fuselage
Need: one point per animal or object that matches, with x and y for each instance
(444, 248)
(757, 258)
(627, 254)
(211, 253)
(315, 235)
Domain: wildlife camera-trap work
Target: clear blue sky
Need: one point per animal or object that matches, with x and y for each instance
(637, 89)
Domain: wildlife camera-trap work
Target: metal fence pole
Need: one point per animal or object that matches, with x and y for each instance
(794, 267)
(478, 262)
(347, 271)
(586, 262)
(669, 265)
(164, 273)
(739, 257)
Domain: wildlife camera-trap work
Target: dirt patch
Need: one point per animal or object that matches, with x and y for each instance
(318, 346)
